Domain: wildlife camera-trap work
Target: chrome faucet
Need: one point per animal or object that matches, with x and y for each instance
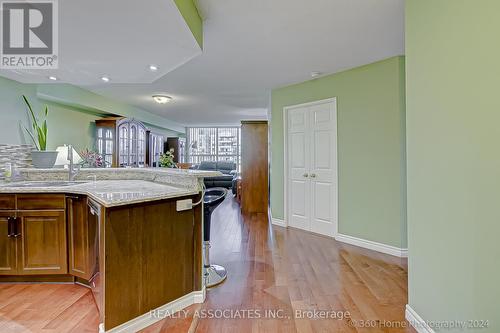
(72, 169)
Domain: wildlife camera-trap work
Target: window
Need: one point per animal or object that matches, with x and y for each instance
(214, 144)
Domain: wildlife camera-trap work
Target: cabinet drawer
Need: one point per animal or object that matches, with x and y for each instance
(40, 201)
(7, 201)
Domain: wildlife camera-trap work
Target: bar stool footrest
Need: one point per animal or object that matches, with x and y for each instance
(215, 275)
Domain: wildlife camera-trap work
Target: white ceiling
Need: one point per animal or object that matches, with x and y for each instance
(118, 39)
(253, 46)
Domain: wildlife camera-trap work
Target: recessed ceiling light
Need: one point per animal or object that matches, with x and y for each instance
(153, 68)
(162, 99)
(105, 78)
(53, 78)
(315, 74)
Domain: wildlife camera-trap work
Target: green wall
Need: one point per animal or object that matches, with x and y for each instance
(66, 125)
(371, 147)
(453, 139)
(192, 17)
(72, 113)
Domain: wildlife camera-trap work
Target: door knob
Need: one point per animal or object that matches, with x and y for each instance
(305, 175)
(313, 175)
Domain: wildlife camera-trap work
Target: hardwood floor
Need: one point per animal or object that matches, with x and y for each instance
(278, 269)
(50, 308)
(290, 270)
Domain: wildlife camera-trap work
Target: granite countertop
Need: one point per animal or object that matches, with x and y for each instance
(144, 171)
(114, 186)
(109, 193)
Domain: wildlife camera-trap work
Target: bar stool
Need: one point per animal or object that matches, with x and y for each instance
(214, 274)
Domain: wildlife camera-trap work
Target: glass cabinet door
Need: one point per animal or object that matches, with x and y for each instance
(132, 144)
(105, 142)
(141, 147)
(123, 151)
(109, 146)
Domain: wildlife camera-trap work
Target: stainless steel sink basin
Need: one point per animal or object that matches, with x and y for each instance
(43, 184)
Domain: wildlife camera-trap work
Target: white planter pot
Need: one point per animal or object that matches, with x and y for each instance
(43, 159)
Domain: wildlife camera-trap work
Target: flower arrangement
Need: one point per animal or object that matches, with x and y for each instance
(167, 159)
(91, 159)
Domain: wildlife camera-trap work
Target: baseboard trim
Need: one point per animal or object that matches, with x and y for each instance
(371, 245)
(278, 222)
(416, 321)
(148, 319)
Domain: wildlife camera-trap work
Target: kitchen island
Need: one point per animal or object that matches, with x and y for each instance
(129, 234)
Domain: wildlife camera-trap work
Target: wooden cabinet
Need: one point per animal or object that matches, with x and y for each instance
(8, 261)
(82, 238)
(7, 202)
(106, 140)
(40, 201)
(131, 143)
(254, 167)
(42, 242)
(121, 141)
(33, 237)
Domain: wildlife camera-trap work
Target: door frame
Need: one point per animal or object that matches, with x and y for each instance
(335, 175)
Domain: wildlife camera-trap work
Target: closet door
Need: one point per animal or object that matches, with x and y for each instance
(311, 182)
(323, 167)
(298, 185)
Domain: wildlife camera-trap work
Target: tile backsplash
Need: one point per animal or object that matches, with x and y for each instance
(18, 155)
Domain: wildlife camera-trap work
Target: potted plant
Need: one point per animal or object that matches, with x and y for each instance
(42, 158)
(167, 159)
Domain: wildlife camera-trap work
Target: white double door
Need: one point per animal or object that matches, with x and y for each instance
(311, 184)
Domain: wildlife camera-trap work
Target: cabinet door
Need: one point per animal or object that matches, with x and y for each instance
(42, 244)
(105, 142)
(141, 147)
(82, 238)
(8, 263)
(123, 145)
(133, 153)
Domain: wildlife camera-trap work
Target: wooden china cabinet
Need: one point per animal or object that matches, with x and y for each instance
(123, 142)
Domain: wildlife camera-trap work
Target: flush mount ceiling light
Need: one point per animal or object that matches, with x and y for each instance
(315, 74)
(105, 78)
(53, 78)
(162, 99)
(153, 68)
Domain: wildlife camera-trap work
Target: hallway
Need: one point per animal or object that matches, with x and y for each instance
(285, 271)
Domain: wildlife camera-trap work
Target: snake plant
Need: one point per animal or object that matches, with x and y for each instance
(39, 133)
